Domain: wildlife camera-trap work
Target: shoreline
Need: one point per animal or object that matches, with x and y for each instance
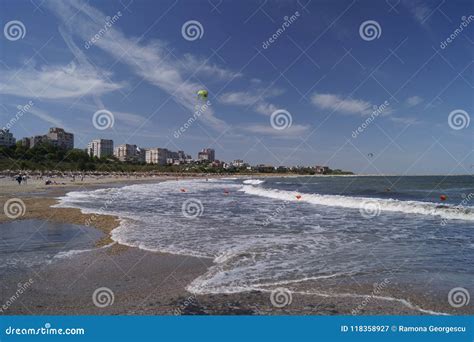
(148, 282)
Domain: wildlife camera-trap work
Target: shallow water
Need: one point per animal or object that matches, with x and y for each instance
(27, 244)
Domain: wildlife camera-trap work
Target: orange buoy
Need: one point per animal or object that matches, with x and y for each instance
(443, 197)
(298, 196)
(226, 192)
(183, 190)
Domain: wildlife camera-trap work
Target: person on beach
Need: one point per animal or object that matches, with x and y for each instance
(19, 178)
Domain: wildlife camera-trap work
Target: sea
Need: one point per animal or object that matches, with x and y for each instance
(415, 231)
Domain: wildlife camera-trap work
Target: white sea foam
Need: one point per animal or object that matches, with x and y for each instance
(73, 252)
(392, 205)
(254, 181)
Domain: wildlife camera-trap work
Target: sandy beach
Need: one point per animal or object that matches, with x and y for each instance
(144, 282)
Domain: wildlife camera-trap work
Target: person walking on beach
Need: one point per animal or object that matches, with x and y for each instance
(19, 178)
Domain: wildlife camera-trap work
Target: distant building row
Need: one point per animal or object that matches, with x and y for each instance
(56, 136)
(132, 153)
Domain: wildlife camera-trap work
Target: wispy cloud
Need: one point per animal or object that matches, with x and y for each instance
(413, 101)
(292, 131)
(257, 99)
(42, 115)
(192, 64)
(419, 9)
(54, 82)
(145, 60)
(339, 104)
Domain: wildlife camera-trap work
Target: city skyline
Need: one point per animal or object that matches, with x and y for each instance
(377, 104)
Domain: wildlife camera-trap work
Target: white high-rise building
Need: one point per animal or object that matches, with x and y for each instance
(100, 148)
(128, 152)
(157, 156)
(6, 138)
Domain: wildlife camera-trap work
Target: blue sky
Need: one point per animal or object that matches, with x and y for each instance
(320, 70)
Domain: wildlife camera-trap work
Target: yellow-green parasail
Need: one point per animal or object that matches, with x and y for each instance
(202, 94)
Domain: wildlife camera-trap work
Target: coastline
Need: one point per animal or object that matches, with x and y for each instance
(145, 282)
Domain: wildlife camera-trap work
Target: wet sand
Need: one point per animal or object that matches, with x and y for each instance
(146, 283)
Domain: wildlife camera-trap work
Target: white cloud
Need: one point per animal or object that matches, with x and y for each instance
(46, 117)
(419, 9)
(198, 66)
(293, 130)
(257, 99)
(239, 98)
(414, 101)
(405, 121)
(338, 103)
(54, 82)
(146, 60)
